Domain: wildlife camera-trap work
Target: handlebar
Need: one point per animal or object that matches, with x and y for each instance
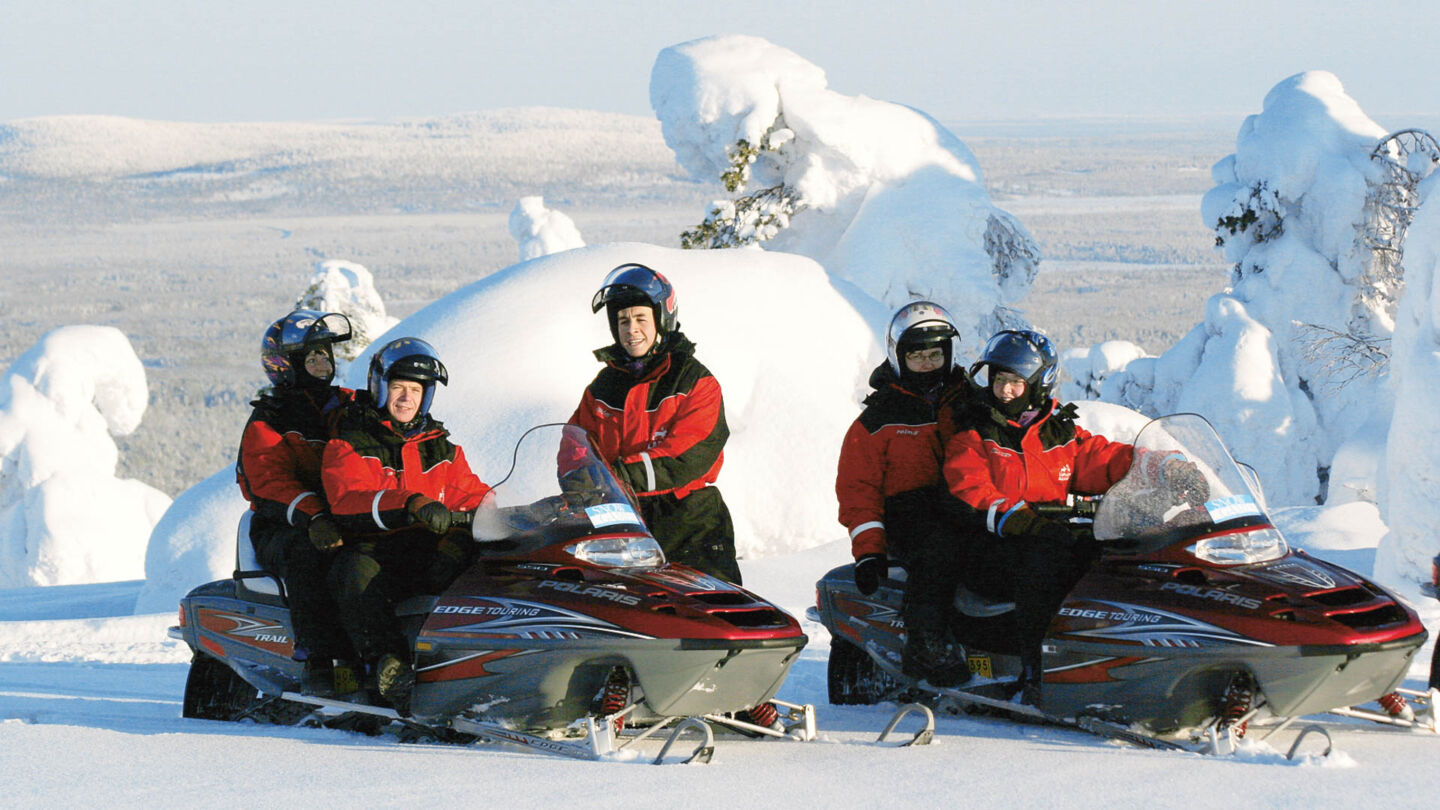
(1074, 506)
(461, 520)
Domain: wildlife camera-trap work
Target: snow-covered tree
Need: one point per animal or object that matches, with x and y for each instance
(541, 231)
(880, 194)
(1287, 362)
(347, 288)
(1411, 502)
(64, 516)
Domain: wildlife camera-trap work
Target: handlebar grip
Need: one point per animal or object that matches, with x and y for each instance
(461, 520)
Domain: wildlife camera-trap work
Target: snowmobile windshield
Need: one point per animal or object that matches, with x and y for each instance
(560, 492)
(1182, 484)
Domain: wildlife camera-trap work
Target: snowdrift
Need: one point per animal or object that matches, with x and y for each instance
(65, 518)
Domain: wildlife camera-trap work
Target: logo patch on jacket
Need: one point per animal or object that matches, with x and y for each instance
(1064, 473)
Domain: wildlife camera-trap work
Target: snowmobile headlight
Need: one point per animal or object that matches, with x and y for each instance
(619, 552)
(1242, 548)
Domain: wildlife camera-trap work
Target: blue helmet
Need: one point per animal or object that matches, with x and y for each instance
(405, 359)
(1026, 354)
(633, 285)
(285, 343)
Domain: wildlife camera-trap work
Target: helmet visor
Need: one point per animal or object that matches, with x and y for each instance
(627, 283)
(304, 328)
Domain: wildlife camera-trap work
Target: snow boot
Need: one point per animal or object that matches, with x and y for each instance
(319, 678)
(1027, 687)
(934, 656)
(395, 679)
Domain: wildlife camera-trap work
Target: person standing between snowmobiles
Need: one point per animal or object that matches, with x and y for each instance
(393, 477)
(658, 417)
(1011, 446)
(889, 483)
(278, 471)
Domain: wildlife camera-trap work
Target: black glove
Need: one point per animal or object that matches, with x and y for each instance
(324, 534)
(868, 571)
(1052, 530)
(580, 488)
(433, 515)
(1026, 522)
(1184, 478)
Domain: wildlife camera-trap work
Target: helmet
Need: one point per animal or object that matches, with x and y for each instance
(919, 325)
(1027, 354)
(286, 342)
(631, 285)
(405, 359)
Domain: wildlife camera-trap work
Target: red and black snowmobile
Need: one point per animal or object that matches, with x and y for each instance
(569, 633)
(1195, 619)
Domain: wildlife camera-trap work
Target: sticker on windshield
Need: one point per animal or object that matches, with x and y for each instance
(610, 514)
(1232, 507)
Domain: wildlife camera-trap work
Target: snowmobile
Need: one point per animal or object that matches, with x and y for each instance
(568, 633)
(1195, 619)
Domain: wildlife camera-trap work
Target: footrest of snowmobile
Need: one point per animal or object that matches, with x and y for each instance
(924, 736)
(702, 753)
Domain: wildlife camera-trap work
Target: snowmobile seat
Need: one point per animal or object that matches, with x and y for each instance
(967, 602)
(249, 574)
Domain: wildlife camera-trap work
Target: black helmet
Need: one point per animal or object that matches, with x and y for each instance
(633, 285)
(1026, 354)
(288, 340)
(921, 325)
(405, 359)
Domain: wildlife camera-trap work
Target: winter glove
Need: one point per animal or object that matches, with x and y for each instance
(324, 534)
(868, 571)
(580, 488)
(433, 515)
(1052, 530)
(1026, 522)
(1184, 478)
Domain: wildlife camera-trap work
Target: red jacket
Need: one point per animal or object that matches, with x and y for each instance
(892, 447)
(279, 465)
(997, 466)
(663, 428)
(371, 471)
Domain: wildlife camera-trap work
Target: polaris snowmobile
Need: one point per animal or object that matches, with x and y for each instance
(1196, 619)
(569, 633)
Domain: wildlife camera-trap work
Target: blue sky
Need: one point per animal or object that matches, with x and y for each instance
(263, 60)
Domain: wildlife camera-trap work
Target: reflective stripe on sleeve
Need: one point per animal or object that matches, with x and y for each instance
(290, 510)
(649, 472)
(865, 527)
(375, 510)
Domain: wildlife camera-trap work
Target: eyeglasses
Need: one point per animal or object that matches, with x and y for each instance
(925, 356)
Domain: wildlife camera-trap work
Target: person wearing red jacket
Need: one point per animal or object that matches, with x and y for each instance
(278, 471)
(658, 417)
(1010, 447)
(889, 485)
(393, 477)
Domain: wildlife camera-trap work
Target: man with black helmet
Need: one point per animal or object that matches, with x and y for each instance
(279, 474)
(393, 477)
(1011, 446)
(889, 485)
(658, 417)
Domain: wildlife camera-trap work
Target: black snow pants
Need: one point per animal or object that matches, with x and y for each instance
(286, 550)
(921, 537)
(1035, 572)
(695, 530)
(371, 577)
